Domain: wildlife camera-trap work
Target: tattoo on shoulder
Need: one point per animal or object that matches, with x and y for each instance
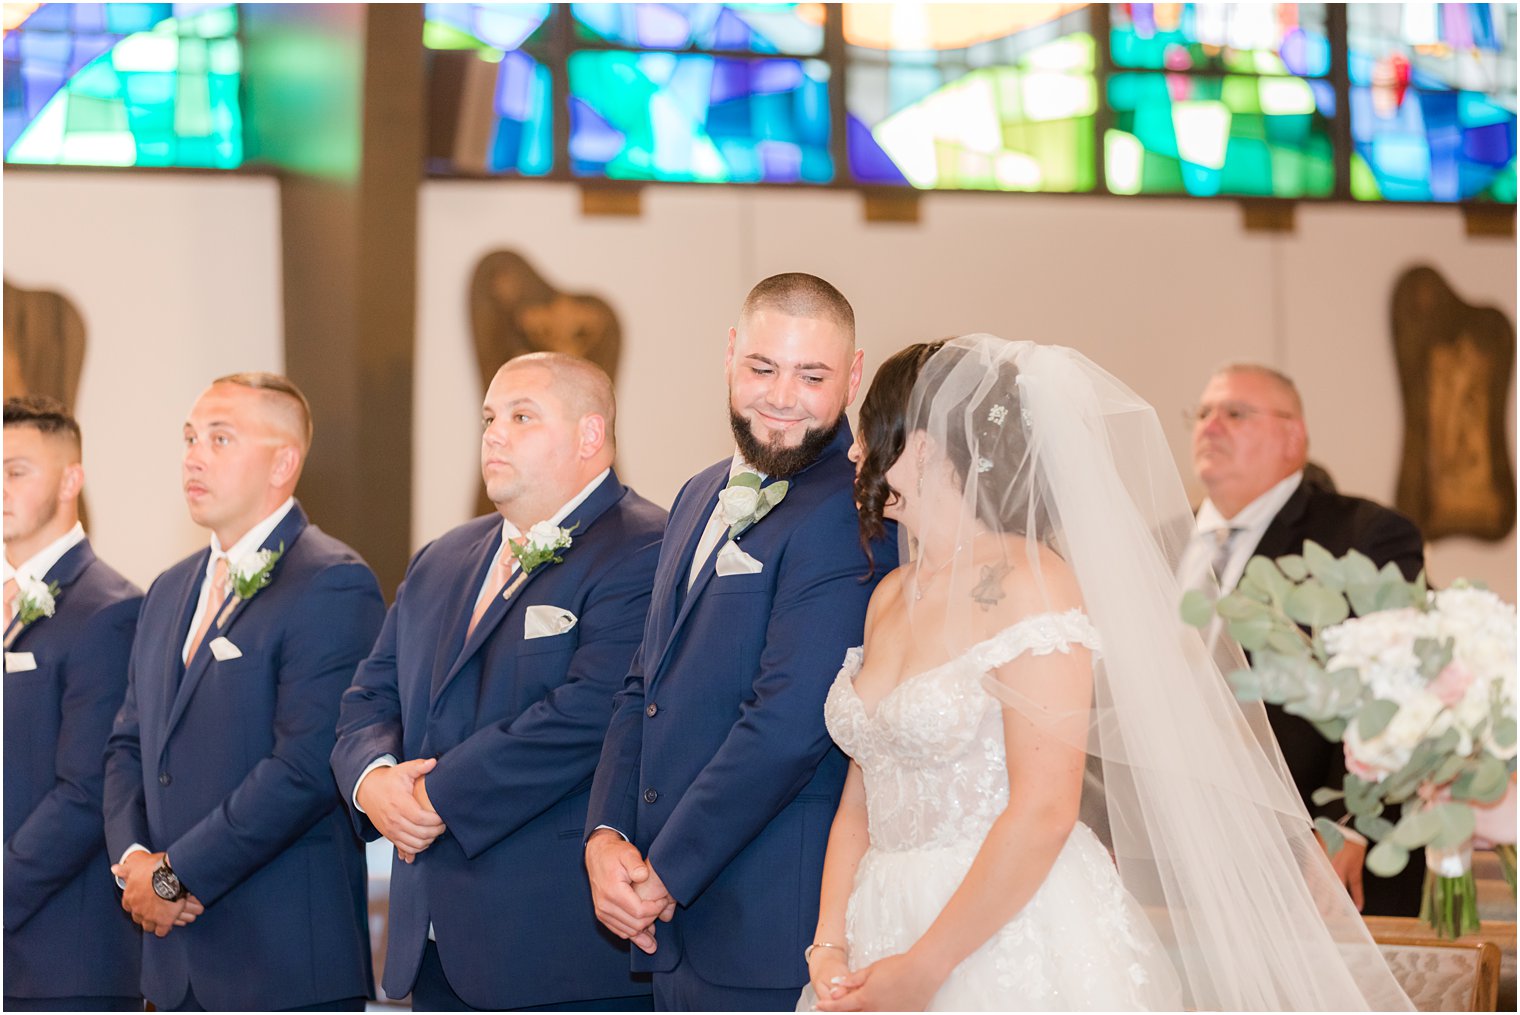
(989, 591)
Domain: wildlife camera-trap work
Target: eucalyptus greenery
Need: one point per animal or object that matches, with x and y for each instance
(1278, 613)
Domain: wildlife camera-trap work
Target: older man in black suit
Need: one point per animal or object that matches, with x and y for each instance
(1250, 448)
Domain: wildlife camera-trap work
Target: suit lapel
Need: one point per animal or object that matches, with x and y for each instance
(65, 571)
(580, 520)
(1284, 535)
(285, 534)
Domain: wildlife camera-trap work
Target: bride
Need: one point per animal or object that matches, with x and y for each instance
(1054, 802)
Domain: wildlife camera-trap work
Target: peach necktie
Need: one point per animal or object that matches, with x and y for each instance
(501, 572)
(214, 597)
(12, 590)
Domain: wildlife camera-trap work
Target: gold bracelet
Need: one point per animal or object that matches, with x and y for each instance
(807, 953)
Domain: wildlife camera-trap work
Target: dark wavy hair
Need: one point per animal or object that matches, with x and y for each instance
(883, 433)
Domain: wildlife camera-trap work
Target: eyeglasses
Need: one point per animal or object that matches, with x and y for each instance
(1233, 413)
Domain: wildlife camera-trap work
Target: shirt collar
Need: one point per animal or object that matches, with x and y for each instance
(739, 466)
(41, 562)
(253, 538)
(510, 531)
(1260, 511)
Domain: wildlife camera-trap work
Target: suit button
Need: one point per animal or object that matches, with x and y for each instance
(164, 778)
(650, 796)
(652, 710)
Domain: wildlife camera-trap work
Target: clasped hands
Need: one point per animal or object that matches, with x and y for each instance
(153, 914)
(629, 896)
(395, 800)
(895, 983)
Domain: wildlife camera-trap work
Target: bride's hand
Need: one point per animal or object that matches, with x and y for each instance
(826, 972)
(896, 983)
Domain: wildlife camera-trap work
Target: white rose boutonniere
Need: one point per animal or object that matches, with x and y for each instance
(743, 502)
(34, 601)
(249, 575)
(540, 546)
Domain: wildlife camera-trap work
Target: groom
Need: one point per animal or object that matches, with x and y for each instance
(717, 784)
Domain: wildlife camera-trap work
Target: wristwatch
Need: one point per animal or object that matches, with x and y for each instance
(166, 883)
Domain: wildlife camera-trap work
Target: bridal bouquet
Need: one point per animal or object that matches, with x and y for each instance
(1417, 686)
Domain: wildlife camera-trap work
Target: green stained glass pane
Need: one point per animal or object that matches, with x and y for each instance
(99, 80)
(1247, 168)
(194, 56)
(217, 23)
(1206, 135)
(1503, 187)
(224, 56)
(86, 114)
(192, 107)
(1241, 94)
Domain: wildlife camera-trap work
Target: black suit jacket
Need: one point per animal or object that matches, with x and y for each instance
(1339, 524)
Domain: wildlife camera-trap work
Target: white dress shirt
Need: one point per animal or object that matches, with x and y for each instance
(248, 544)
(1251, 522)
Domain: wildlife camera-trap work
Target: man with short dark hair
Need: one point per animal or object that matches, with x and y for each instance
(69, 620)
(1250, 449)
(218, 793)
(470, 734)
(718, 781)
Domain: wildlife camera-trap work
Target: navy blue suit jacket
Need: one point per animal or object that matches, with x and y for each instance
(517, 725)
(717, 764)
(224, 764)
(65, 931)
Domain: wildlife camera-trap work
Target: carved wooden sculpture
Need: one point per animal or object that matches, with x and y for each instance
(1455, 363)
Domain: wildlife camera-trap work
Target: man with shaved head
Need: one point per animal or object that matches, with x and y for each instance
(218, 799)
(470, 733)
(718, 782)
(1250, 449)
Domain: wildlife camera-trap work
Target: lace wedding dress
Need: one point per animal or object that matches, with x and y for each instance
(936, 778)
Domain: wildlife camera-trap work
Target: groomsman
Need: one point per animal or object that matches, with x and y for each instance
(471, 732)
(68, 622)
(218, 795)
(718, 782)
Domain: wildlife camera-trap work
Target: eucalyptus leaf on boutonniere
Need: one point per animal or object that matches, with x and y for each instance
(34, 601)
(540, 546)
(250, 575)
(744, 503)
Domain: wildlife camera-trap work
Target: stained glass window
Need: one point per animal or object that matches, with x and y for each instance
(965, 96)
(501, 89)
(1221, 100)
(1193, 99)
(792, 29)
(118, 84)
(1432, 101)
(682, 116)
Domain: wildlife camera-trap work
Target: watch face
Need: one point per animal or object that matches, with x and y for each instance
(166, 885)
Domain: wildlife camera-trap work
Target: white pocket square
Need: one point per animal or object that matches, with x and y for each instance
(547, 621)
(222, 650)
(732, 560)
(19, 662)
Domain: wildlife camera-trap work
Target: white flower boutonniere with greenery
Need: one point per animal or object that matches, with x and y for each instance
(250, 574)
(34, 601)
(541, 545)
(744, 503)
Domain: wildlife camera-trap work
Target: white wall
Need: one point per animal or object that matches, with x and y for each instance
(178, 279)
(1158, 292)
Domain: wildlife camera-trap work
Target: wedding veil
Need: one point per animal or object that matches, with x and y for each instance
(1208, 833)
